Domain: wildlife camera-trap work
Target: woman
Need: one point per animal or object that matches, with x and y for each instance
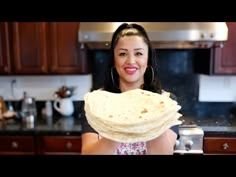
(130, 67)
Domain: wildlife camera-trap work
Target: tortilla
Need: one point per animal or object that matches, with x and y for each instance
(130, 116)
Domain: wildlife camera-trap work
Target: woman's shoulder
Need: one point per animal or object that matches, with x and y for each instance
(96, 89)
(169, 94)
(163, 92)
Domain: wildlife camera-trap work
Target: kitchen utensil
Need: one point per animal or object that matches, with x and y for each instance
(64, 106)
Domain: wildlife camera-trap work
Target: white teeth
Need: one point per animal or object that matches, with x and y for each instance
(130, 69)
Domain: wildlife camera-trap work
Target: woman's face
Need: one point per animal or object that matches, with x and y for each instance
(131, 58)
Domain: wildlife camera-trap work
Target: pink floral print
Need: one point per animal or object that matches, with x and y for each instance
(132, 149)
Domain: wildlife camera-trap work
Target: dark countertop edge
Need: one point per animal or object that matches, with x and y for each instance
(78, 133)
(40, 133)
(218, 133)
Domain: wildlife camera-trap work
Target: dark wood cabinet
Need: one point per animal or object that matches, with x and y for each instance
(5, 62)
(219, 61)
(47, 48)
(219, 145)
(60, 145)
(40, 145)
(17, 145)
(29, 47)
(225, 58)
(65, 53)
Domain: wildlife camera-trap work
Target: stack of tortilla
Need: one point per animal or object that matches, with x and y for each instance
(132, 116)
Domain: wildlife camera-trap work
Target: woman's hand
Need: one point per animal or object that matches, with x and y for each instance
(163, 144)
(93, 144)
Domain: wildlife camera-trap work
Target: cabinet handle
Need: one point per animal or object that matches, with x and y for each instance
(14, 145)
(225, 146)
(68, 145)
(43, 68)
(53, 68)
(6, 69)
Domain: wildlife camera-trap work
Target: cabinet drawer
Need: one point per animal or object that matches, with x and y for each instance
(220, 145)
(61, 145)
(16, 145)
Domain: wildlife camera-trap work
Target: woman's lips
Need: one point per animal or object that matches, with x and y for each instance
(130, 70)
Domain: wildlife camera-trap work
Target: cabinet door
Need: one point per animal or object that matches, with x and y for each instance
(5, 63)
(30, 47)
(61, 145)
(225, 58)
(64, 49)
(13, 145)
(219, 145)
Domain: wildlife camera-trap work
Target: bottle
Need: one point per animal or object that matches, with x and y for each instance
(28, 106)
(48, 109)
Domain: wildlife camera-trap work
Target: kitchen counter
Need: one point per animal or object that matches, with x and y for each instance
(220, 126)
(215, 125)
(42, 126)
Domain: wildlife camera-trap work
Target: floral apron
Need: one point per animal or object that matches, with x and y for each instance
(131, 149)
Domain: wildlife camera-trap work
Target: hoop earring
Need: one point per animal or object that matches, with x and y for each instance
(152, 73)
(112, 78)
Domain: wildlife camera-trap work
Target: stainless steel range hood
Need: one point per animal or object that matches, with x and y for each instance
(175, 35)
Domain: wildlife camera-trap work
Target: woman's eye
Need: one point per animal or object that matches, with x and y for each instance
(139, 54)
(122, 54)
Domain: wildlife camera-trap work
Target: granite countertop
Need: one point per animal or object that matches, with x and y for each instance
(214, 125)
(43, 126)
(57, 125)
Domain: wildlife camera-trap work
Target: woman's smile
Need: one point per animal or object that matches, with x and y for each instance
(130, 70)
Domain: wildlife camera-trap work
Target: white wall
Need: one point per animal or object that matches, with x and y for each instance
(211, 88)
(43, 87)
(217, 88)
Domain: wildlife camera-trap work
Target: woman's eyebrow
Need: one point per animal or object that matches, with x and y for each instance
(123, 49)
(139, 49)
(134, 49)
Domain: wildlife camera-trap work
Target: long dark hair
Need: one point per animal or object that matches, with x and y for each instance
(151, 81)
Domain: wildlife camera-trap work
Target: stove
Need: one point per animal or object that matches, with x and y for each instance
(190, 140)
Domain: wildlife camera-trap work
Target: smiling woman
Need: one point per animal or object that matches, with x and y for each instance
(131, 66)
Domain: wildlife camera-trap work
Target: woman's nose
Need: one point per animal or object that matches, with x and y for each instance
(131, 59)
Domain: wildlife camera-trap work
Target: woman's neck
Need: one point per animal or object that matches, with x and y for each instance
(129, 86)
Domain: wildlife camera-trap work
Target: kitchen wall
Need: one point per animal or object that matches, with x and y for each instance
(217, 88)
(43, 87)
(199, 95)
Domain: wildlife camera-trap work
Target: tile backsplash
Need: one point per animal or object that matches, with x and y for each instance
(217, 88)
(43, 87)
